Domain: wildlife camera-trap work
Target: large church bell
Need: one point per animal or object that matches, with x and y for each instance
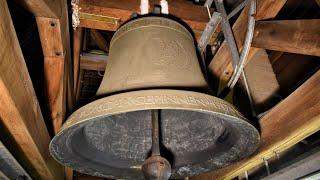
(153, 119)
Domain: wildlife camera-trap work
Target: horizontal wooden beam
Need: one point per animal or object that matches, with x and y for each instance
(289, 122)
(110, 14)
(220, 65)
(294, 36)
(95, 62)
(20, 114)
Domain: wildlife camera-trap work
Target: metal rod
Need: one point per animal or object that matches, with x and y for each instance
(237, 9)
(208, 3)
(267, 166)
(246, 86)
(246, 174)
(237, 61)
(227, 31)
(209, 13)
(246, 47)
(277, 155)
(209, 30)
(155, 132)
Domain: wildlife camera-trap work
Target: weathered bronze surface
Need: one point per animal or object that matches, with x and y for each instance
(151, 53)
(153, 66)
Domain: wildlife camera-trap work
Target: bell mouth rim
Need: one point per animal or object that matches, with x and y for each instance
(83, 115)
(78, 116)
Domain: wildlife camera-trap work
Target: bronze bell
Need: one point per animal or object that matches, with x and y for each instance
(152, 119)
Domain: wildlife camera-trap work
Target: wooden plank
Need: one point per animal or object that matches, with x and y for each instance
(43, 8)
(294, 36)
(95, 62)
(99, 40)
(77, 44)
(20, 113)
(55, 90)
(289, 122)
(289, 72)
(54, 68)
(262, 81)
(58, 66)
(79, 85)
(52, 39)
(109, 14)
(220, 65)
(10, 166)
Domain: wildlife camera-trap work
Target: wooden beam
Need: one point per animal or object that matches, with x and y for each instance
(55, 41)
(289, 122)
(20, 113)
(110, 14)
(99, 40)
(262, 81)
(79, 85)
(77, 47)
(43, 8)
(55, 90)
(292, 69)
(95, 62)
(294, 36)
(220, 65)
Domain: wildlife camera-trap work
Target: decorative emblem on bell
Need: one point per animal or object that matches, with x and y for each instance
(153, 119)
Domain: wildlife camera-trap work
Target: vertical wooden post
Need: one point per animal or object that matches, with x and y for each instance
(19, 108)
(58, 68)
(77, 44)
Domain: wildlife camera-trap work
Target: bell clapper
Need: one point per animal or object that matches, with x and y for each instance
(156, 167)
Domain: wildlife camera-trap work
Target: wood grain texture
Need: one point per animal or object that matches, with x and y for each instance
(55, 90)
(58, 66)
(289, 122)
(294, 36)
(77, 44)
(51, 37)
(292, 69)
(19, 110)
(43, 8)
(220, 65)
(121, 10)
(262, 81)
(99, 40)
(93, 62)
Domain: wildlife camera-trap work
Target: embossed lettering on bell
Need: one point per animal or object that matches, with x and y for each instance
(153, 68)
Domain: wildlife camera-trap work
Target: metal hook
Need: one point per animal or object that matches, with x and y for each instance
(267, 165)
(277, 154)
(100, 73)
(246, 174)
